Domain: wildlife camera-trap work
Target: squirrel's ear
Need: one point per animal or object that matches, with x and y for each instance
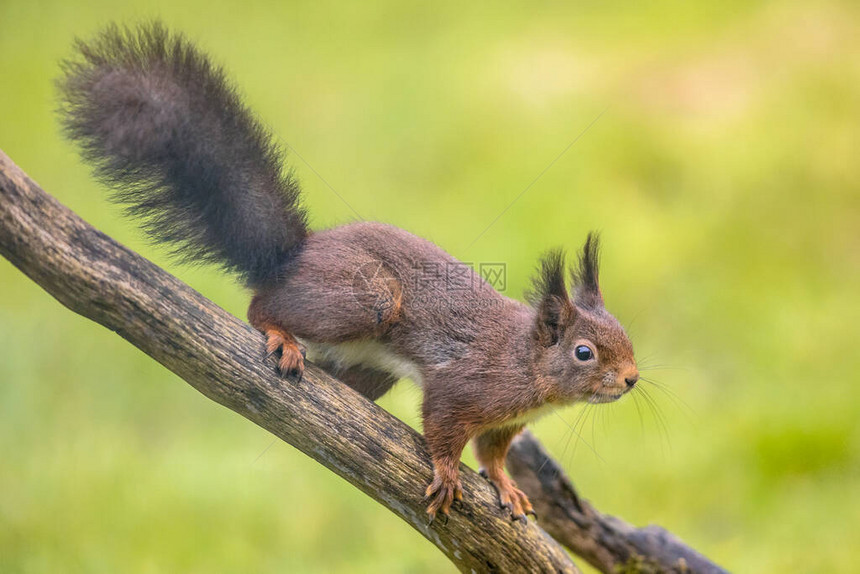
(549, 297)
(586, 274)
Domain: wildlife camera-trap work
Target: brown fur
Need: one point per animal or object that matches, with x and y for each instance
(485, 361)
(161, 124)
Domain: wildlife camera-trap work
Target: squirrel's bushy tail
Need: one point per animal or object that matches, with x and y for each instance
(165, 129)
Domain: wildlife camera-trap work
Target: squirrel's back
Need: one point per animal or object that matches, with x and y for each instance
(167, 131)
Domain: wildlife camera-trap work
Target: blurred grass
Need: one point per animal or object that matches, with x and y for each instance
(722, 174)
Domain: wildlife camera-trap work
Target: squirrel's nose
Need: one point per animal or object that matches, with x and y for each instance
(631, 380)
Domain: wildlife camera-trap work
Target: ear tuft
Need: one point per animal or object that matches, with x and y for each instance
(586, 274)
(550, 298)
(550, 277)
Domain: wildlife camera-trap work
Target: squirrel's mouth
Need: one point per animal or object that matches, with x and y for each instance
(599, 398)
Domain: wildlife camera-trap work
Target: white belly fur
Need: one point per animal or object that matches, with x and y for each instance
(365, 353)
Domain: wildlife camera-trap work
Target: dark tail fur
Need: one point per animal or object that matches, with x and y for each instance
(165, 129)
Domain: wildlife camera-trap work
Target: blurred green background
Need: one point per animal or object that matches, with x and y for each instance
(722, 174)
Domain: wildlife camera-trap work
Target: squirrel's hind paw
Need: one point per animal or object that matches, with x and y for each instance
(441, 494)
(510, 497)
(292, 360)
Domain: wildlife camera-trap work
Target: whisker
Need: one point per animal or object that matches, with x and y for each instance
(629, 326)
(587, 411)
(603, 414)
(571, 434)
(639, 412)
(565, 438)
(661, 367)
(658, 416)
(676, 399)
(593, 418)
(579, 436)
(569, 454)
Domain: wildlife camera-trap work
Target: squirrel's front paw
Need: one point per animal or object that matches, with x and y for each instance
(292, 360)
(511, 497)
(441, 493)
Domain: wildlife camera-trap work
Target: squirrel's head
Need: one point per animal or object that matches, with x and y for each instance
(582, 350)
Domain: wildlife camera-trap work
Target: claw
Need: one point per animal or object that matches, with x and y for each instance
(441, 493)
(291, 364)
(291, 361)
(432, 515)
(511, 499)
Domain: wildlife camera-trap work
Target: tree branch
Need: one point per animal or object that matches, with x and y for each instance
(607, 543)
(221, 357)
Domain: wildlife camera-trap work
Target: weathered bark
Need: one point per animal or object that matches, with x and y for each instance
(607, 543)
(222, 357)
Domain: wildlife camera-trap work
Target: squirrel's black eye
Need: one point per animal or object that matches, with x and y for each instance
(583, 353)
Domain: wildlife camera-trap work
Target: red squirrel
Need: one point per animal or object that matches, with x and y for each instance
(162, 126)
